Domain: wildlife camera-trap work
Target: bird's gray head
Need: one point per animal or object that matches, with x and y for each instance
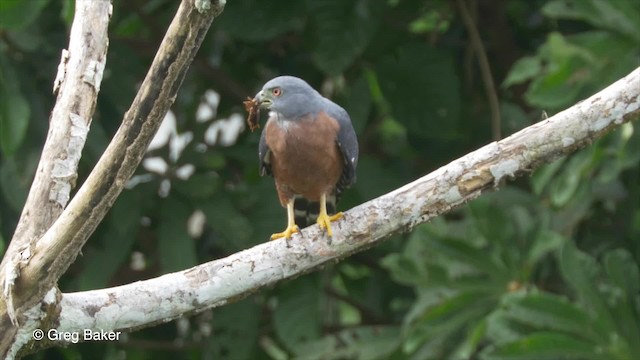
(289, 96)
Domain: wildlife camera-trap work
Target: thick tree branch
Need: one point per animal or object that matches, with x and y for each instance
(77, 84)
(226, 280)
(48, 255)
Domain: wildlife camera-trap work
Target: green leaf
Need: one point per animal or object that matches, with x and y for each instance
(449, 316)
(523, 70)
(358, 103)
(583, 273)
(18, 14)
(14, 119)
(260, 20)
(434, 20)
(472, 341)
(343, 30)
(545, 345)
(426, 101)
(198, 186)
(621, 16)
(623, 273)
(373, 342)
(117, 241)
(297, 318)
(564, 188)
(176, 248)
(567, 71)
(568, 182)
(370, 169)
(556, 89)
(235, 330)
(2, 249)
(232, 227)
(625, 153)
(320, 349)
(363, 343)
(545, 242)
(545, 174)
(454, 307)
(68, 9)
(491, 221)
(465, 253)
(502, 330)
(404, 270)
(545, 311)
(14, 187)
(613, 57)
(513, 117)
(14, 110)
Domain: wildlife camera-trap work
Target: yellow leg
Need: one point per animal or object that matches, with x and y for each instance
(292, 228)
(325, 220)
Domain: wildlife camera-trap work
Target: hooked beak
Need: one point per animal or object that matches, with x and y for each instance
(263, 99)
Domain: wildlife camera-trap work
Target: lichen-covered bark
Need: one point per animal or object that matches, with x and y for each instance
(226, 280)
(77, 85)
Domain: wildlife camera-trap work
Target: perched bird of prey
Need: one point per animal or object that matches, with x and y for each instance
(309, 147)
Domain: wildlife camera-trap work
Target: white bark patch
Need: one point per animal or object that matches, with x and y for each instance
(10, 275)
(11, 272)
(203, 5)
(568, 141)
(504, 168)
(62, 71)
(33, 318)
(50, 297)
(613, 110)
(64, 170)
(453, 196)
(93, 74)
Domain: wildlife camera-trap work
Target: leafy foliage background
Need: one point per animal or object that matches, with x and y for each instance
(546, 268)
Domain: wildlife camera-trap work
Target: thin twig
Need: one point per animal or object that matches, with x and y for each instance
(485, 69)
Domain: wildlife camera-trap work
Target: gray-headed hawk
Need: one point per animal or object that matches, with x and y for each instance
(310, 148)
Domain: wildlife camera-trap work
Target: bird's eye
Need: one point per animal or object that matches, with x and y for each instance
(277, 91)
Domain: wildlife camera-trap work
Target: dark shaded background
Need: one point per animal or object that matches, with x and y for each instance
(546, 267)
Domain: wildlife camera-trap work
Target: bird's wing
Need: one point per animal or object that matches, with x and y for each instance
(348, 144)
(264, 154)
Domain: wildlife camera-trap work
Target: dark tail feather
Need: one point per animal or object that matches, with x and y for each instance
(306, 212)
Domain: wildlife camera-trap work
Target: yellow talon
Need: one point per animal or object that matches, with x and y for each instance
(292, 228)
(324, 220)
(286, 233)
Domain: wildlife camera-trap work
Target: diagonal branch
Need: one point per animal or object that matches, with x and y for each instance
(216, 283)
(49, 255)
